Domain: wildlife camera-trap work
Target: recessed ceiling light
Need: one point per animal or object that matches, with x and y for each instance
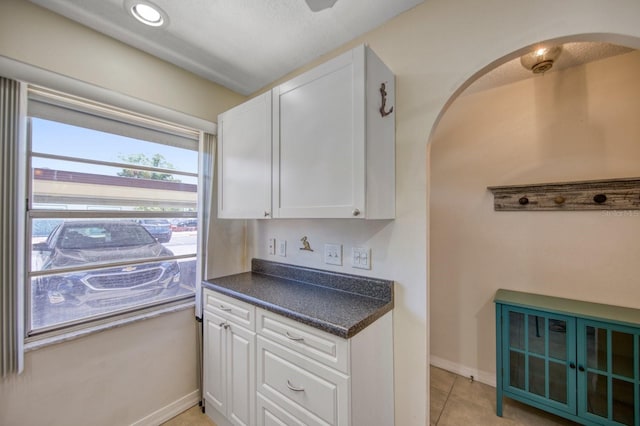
(147, 13)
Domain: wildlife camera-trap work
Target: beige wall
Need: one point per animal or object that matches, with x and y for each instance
(577, 124)
(125, 374)
(434, 49)
(36, 36)
(111, 378)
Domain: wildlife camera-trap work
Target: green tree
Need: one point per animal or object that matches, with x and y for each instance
(157, 160)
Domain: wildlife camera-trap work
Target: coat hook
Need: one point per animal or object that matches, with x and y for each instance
(600, 198)
(305, 244)
(383, 93)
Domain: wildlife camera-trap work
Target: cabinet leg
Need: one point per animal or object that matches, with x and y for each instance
(498, 402)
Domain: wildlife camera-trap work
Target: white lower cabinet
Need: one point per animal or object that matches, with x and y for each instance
(229, 354)
(310, 391)
(309, 377)
(264, 369)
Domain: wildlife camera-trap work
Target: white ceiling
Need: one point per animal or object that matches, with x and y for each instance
(241, 44)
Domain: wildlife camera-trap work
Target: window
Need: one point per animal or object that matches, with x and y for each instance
(111, 212)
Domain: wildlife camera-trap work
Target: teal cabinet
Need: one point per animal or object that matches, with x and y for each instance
(576, 359)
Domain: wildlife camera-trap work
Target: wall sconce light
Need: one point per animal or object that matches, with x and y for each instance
(541, 60)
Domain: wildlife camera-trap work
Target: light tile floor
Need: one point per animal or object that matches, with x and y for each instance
(455, 401)
(192, 417)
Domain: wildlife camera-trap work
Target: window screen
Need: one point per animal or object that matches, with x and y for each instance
(111, 212)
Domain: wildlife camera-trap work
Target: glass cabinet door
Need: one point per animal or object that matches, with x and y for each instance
(608, 363)
(539, 351)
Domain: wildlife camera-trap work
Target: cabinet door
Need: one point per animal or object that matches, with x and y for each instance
(539, 357)
(319, 141)
(214, 368)
(608, 377)
(244, 160)
(241, 386)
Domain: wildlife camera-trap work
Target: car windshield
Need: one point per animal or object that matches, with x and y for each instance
(103, 235)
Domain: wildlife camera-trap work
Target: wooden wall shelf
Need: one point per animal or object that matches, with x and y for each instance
(607, 194)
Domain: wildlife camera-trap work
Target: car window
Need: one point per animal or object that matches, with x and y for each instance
(79, 237)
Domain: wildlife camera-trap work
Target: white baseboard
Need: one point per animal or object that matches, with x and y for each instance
(169, 411)
(480, 376)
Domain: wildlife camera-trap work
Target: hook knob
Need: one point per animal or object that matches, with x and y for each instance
(600, 198)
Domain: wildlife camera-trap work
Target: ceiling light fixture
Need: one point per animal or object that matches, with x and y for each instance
(147, 13)
(541, 60)
(318, 5)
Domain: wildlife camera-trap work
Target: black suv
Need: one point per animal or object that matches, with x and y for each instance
(159, 228)
(76, 244)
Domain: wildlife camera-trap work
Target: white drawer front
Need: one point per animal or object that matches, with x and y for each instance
(323, 347)
(302, 386)
(269, 414)
(231, 309)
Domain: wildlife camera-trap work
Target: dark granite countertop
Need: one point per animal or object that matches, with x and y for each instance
(341, 304)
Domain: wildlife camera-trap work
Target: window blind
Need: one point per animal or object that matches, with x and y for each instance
(11, 227)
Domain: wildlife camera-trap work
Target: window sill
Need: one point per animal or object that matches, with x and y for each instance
(35, 343)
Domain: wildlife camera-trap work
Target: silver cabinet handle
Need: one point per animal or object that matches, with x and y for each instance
(356, 212)
(224, 325)
(297, 339)
(267, 214)
(223, 308)
(294, 388)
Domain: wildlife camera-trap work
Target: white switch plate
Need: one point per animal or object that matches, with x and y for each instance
(272, 246)
(361, 257)
(282, 248)
(333, 254)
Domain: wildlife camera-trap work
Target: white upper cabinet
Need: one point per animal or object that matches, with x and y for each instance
(334, 152)
(244, 160)
(333, 148)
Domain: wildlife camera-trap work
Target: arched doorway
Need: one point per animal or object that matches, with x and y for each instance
(574, 124)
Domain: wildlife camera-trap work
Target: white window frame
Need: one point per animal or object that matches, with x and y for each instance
(28, 74)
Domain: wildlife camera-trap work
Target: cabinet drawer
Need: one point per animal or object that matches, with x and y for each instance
(269, 414)
(230, 309)
(316, 344)
(301, 386)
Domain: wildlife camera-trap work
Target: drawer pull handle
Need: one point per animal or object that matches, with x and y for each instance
(297, 339)
(223, 308)
(294, 388)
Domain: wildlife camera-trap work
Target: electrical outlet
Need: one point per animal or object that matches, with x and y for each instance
(272, 246)
(282, 248)
(333, 254)
(361, 258)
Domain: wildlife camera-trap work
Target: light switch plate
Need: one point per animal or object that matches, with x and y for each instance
(282, 248)
(272, 246)
(361, 257)
(333, 254)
